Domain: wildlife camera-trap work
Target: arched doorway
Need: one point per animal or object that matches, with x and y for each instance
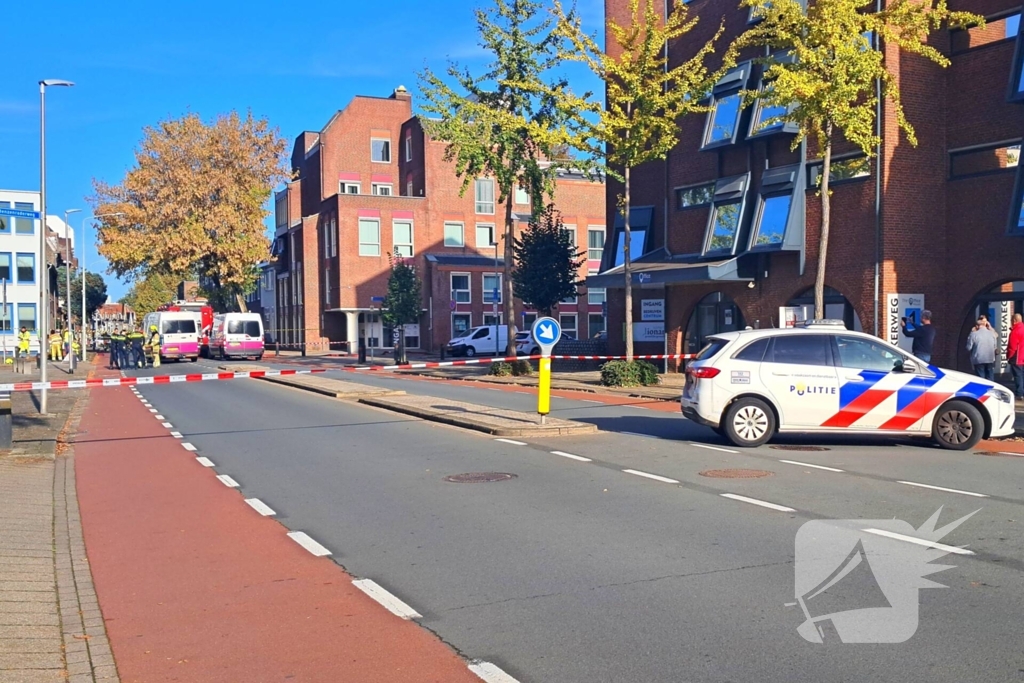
(999, 303)
(837, 307)
(714, 314)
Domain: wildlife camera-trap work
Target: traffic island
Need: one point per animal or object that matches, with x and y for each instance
(493, 421)
(349, 391)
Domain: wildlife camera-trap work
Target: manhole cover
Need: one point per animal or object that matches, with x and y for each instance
(479, 477)
(736, 474)
(805, 449)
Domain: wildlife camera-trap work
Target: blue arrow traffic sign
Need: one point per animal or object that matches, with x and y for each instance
(547, 332)
(19, 213)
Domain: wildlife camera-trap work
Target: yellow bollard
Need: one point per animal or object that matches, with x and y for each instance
(544, 389)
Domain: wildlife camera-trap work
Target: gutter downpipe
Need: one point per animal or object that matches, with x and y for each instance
(878, 186)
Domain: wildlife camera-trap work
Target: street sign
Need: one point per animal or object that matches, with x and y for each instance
(19, 213)
(546, 332)
(377, 299)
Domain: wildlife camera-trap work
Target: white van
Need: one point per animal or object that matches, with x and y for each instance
(179, 334)
(237, 335)
(484, 340)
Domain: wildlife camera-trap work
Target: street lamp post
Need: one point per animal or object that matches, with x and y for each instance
(67, 288)
(494, 299)
(84, 223)
(45, 280)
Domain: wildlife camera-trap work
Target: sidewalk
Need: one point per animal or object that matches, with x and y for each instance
(51, 628)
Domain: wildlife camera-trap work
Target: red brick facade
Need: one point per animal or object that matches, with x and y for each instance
(333, 220)
(942, 236)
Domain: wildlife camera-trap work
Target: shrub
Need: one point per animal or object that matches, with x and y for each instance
(522, 368)
(501, 369)
(619, 373)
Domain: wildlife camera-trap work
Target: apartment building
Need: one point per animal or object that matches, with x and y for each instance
(372, 183)
(19, 269)
(727, 228)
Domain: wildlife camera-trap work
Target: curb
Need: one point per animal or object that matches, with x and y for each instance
(478, 425)
(555, 384)
(331, 393)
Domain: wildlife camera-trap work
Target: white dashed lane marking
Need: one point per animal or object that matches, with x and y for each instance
(655, 477)
(260, 507)
(227, 481)
(386, 599)
(189, 447)
(919, 541)
(490, 673)
(944, 489)
(167, 425)
(807, 464)
(303, 539)
(755, 501)
(205, 462)
(713, 448)
(176, 435)
(510, 441)
(571, 456)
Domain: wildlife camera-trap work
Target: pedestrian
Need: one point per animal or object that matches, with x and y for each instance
(983, 345)
(24, 344)
(154, 345)
(923, 336)
(55, 350)
(1015, 355)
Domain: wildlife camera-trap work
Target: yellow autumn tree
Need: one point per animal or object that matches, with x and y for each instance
(827, 71)
(194, 204)
(645, 98)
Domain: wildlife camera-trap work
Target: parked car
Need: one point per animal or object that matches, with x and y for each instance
(528, 346)
(237, 335)
(821, 378)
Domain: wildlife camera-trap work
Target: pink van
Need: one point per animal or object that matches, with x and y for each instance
(237, 335)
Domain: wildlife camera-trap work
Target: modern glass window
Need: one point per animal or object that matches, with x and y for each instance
(369, 237)
(698, 195)
(996, 29)
(381, 189)
(27, 317)
(5, 267)
(772, 220)
(380, 150)
(408, 187)
(983, 160)
(724, 119)
(636, 246)
(800, 349)
(491, 319)
(571, 231)
(597, 325)
(726, 226)
(492, 288)
(453, 235)
(522, 196)
(485, 236)
(597, 295)
(568, 323)
(484, 193)
(5, 221)
(24, 226)
(764, 114)
(850, 168)
(408, 148)
(26, 269)
(349, 188)
(401, 232)
(461, 322)
(460, 289)
(6, 318)
(595, 244)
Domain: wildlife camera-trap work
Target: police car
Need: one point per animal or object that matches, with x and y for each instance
(822, 378)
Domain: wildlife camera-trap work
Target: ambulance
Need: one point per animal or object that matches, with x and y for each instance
(821, 378)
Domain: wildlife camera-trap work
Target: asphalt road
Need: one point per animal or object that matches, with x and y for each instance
(577, 571)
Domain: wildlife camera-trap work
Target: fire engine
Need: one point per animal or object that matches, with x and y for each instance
(204, 315)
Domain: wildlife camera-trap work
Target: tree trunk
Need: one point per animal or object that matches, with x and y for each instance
(628, 271)
(826, 208)
(402, 360)
(241, 303)
(506, 280)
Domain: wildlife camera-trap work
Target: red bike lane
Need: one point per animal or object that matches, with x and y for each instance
(196, 586)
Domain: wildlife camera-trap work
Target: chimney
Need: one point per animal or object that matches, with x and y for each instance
(401, 94)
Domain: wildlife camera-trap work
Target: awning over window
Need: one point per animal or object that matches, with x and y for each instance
(675, 271)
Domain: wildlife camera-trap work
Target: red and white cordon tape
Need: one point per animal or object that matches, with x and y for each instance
(256, 374)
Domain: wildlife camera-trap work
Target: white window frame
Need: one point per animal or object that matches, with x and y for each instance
(485, 290)
(395, 244)
(408, 148)
(575, 328)
(327, 287)
(604, 239)
(594, 290)
(481, 205)
(388, 189)
(522, 196)
(376, 161)
(491, 239)
(359, 236)
(344, 186)
(571, 229)
(334, 235)
(494, 319)
(462, 232)
(468, 290)
(469, 316)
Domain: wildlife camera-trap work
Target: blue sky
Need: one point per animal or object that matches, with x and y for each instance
(137, 63)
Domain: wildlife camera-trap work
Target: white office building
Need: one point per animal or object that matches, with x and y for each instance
(21, 269)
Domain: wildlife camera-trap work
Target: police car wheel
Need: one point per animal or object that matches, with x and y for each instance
(749, 423)
(958, 426)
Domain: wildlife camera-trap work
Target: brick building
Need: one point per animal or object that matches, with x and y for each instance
(372, 182)
(729, 224)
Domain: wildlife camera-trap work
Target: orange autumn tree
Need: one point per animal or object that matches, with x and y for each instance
(194, 204)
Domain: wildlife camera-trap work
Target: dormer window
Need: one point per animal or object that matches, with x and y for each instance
(723, 121)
